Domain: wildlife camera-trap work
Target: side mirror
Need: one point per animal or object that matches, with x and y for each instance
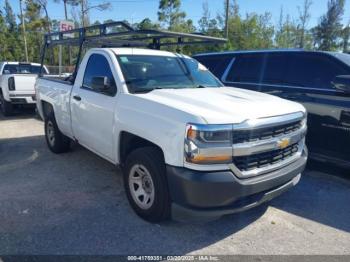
(342, 83)
(101, 84)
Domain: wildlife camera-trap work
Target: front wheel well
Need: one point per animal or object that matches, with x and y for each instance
(129, 142)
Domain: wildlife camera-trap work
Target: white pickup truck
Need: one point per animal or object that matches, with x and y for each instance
(188, 146)
(17, 84)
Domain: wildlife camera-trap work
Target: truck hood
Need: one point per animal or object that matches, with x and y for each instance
(223, 105)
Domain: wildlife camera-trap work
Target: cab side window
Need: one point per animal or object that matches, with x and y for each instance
(313, 70)
(275, 69)
(247, 69)
(216, 64)
(98, 66)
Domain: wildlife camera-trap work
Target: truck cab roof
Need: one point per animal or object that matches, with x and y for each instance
(140, 51)
(16, 63)
(259, 51)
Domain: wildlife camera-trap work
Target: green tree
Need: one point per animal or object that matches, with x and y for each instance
(43, 7)
(279, 37)
(234, 9)
(346, 38)
(256, 32)
(253, 31)
(66, 3)
(207, 24)
(147, 24)
(170, 13)
(304, 17)
(235, 27)
(86, 7)
(204, 22)
(10, 18)
(286, 34)
(3, 42)
(36, 26)
(329, 29)
(12, 43)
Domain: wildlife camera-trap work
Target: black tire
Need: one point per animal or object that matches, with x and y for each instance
(6, 107)
(56, 141)
(152, 160)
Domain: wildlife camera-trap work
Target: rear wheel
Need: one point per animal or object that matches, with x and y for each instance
(145, 184)
(6, 107)
(56, 141)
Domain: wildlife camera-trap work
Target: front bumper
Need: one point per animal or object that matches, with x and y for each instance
(200, 195)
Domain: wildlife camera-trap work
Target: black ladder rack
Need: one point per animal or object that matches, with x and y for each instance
(120, 34)
(117, 34)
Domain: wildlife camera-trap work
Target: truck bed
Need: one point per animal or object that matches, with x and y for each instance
(57, 93)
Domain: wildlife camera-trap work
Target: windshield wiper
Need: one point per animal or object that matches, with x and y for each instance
(146, 90)
(201, 86)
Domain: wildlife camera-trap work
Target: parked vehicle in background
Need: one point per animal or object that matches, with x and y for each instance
(17, 84)
(318, 80)
(187, 145)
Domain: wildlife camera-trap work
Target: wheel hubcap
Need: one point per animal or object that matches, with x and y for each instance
(50, 133)
(141, 186)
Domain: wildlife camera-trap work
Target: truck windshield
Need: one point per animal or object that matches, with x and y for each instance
(21, 69)
(144, 73)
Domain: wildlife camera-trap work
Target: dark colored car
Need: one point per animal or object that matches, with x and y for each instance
(318, 80)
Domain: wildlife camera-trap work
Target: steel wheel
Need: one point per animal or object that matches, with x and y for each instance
(56, 141)
(50, 130)
(141, 186)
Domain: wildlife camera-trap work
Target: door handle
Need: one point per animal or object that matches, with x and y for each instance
(78, 98)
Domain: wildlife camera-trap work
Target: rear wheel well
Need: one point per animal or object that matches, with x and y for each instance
(47, 109)
(129, 142)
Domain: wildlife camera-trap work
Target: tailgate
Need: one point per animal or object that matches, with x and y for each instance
(24, 83)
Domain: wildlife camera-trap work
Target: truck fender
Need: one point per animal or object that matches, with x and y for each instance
(128, 142)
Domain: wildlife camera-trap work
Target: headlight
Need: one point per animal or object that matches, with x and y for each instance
(304, 121)
(208, 144)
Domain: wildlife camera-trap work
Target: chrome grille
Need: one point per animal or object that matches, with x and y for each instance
(266, 144)
(247, 163)
(246, 136)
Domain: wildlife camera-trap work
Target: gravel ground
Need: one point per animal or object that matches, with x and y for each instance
(74, 203)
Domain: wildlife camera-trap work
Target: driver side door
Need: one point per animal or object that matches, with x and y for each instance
(309, 80)
(93, 111)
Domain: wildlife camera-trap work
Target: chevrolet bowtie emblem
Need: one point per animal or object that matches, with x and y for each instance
(283, 143)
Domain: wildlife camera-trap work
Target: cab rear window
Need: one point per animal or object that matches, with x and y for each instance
(21, 69)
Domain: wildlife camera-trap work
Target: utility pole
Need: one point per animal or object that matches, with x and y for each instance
(82, 13)
(65, 9)
(24, 31)
(226, 18)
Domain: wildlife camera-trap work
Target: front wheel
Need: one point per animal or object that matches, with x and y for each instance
(56, 141)
(145, 184)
